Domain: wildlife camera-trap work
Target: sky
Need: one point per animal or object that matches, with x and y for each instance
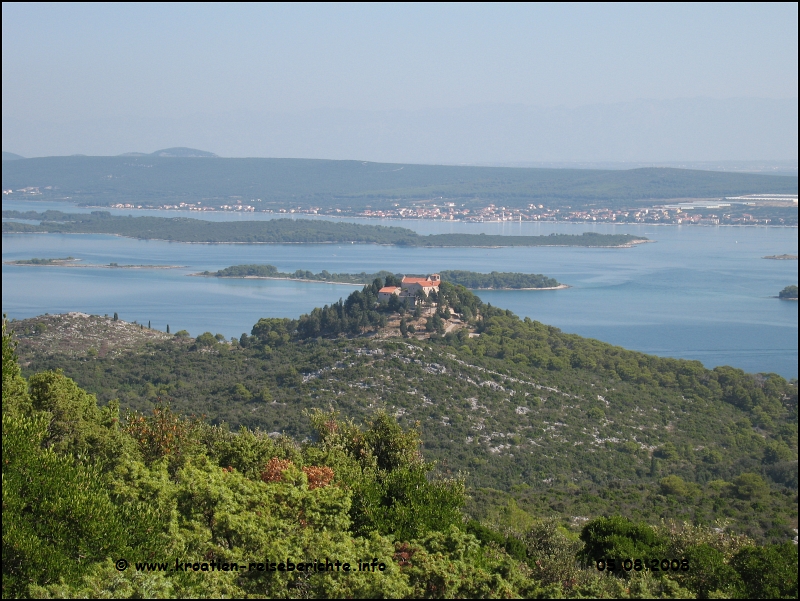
(351, 80)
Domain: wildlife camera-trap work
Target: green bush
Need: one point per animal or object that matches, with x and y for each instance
(58, 516)
(709, 573)
(206, 339)
(749, 486)
(768, 572)
(618, 538)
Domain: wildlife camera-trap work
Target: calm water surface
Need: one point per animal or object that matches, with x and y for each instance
(698, 292)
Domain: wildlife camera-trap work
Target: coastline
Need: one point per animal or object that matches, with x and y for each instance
(559, 287)
(264, 277)
(411, 218)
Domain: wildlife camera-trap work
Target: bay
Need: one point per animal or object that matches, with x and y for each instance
(700, 293)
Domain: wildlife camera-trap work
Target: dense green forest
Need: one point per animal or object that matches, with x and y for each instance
(561, 425)
(540, 425)
(101, 503)
(358, 185)
(283, 231)
(469, 279)
(788, 293)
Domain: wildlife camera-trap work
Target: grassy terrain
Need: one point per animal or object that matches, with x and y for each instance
(82, 335)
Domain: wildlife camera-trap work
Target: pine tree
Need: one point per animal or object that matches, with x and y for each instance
(167, 328)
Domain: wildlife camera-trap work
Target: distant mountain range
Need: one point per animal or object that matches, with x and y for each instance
(288, 183)
(178, 151)
(10, 156)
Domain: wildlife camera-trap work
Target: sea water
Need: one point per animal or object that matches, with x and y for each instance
(700, 293)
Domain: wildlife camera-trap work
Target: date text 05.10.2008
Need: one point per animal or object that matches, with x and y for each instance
(637, 565)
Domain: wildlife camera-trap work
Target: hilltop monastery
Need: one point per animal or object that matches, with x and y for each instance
(409, 287)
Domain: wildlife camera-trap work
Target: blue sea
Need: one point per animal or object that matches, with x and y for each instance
(700, 293)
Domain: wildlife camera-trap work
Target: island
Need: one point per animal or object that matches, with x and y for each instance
(469, 279)
(286, 231)
(782, 257)
(788, 293)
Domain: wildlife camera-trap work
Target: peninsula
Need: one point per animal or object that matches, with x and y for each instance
(285, 231)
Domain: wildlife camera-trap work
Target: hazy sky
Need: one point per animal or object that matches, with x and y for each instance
(102, 64)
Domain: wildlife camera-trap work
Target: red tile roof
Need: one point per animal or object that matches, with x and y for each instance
(421, 281)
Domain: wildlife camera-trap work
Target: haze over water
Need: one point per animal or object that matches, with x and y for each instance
(700, 293)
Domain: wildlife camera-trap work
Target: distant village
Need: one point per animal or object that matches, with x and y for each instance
(703, 212)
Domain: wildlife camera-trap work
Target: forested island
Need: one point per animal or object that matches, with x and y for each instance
(788, 293)
(478, 456)
(285, 231)
(498, 280)
(469, 279)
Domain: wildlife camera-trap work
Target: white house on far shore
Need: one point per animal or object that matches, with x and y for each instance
(409, 287)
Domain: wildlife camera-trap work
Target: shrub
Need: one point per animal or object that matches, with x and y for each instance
(618, 538)
(273, 471)
(749, 486)
(768, 572)
(318, 477)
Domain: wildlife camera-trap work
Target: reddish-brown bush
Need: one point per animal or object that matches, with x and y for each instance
(273, 471)
(318, 477)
